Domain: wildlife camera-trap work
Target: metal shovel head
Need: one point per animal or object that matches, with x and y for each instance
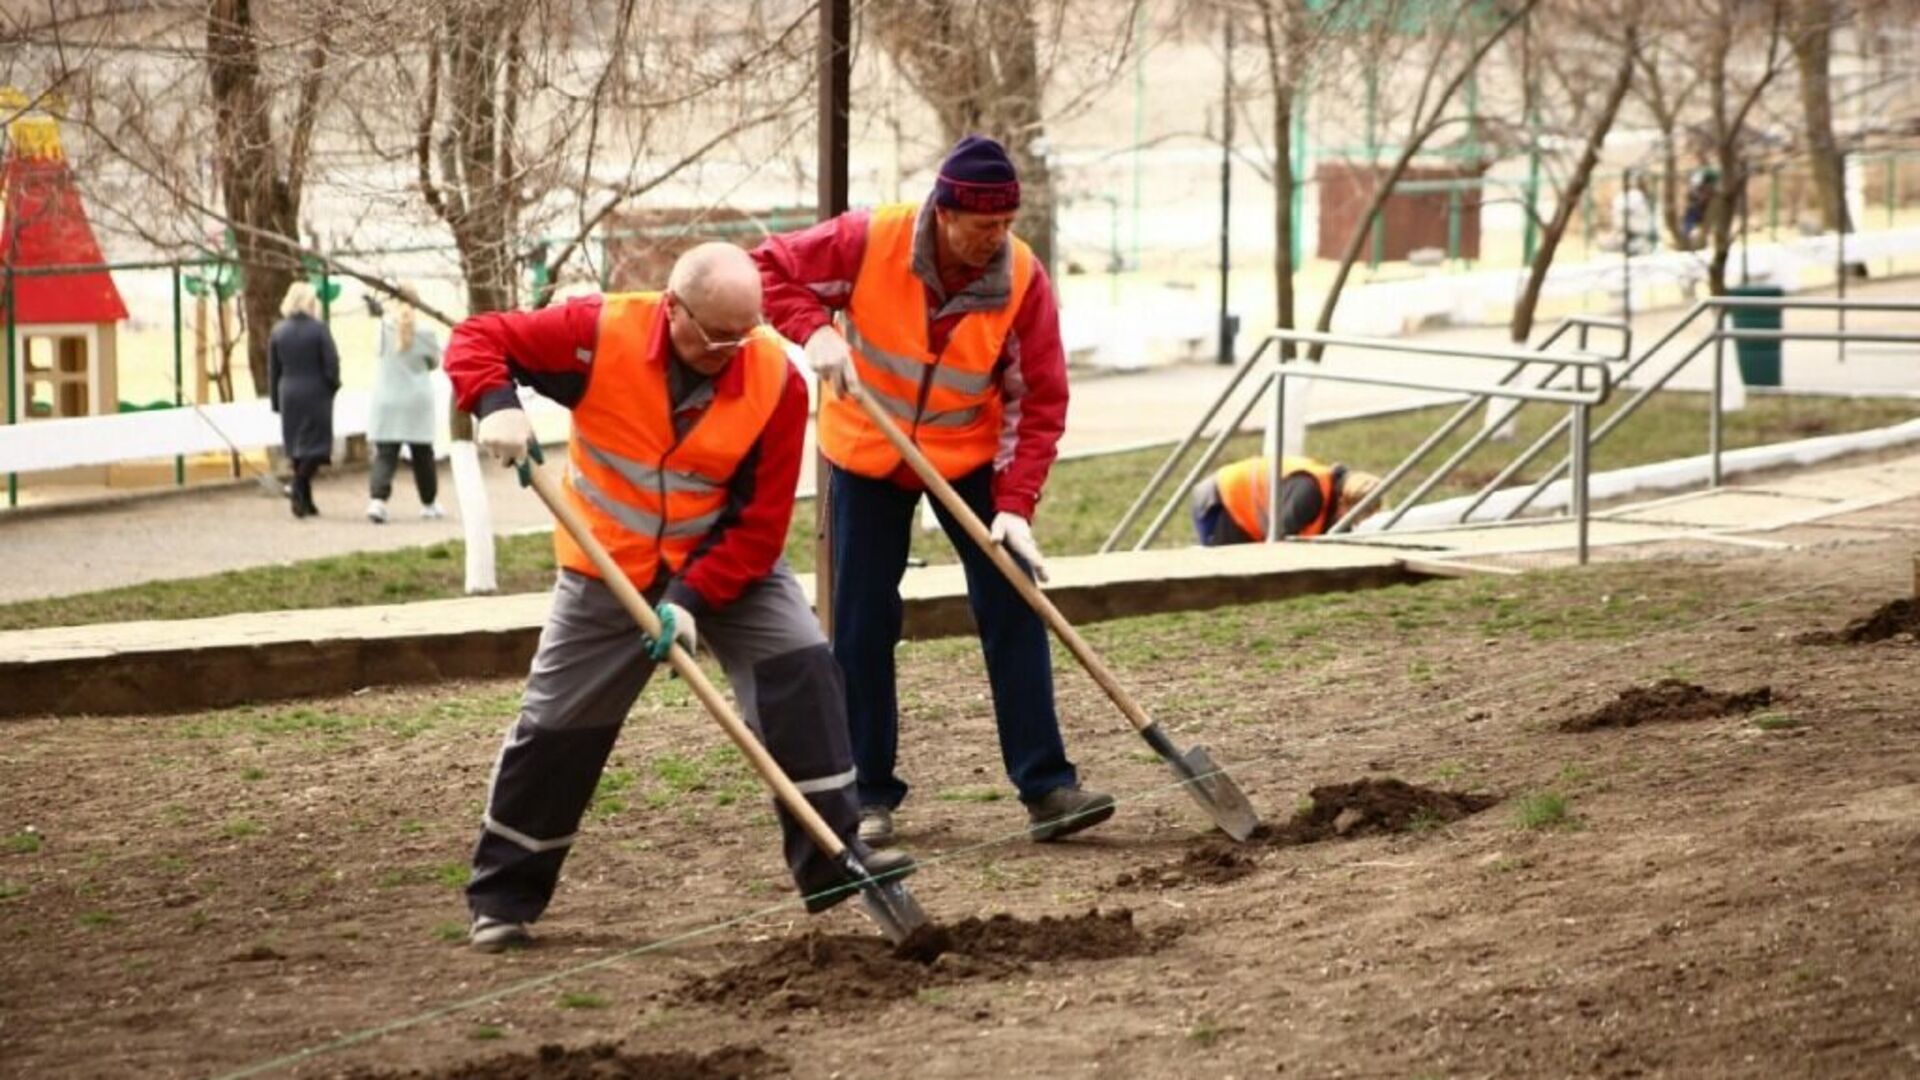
(890, 905)
(1216, 793)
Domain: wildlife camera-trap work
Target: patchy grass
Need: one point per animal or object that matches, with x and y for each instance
(1774, 721)
(974, 795)
(582, 999)
(1084, 501)
(1545, 810)
(11, 889)
(486, 1032)
(25, 842)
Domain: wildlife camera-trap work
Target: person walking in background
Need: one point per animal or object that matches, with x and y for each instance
(303, 375)
(1230, 507)
(952, 326)
(402, 411)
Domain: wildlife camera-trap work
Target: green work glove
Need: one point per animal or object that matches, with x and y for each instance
(676, 625)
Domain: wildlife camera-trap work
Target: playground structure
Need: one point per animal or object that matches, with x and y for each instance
(61, 332)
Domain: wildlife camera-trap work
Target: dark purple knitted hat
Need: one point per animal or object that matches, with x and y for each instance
(978, 177)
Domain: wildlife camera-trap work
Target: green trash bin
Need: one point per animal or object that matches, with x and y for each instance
(1759, 360)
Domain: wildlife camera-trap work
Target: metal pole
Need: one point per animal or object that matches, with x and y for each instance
(1713, 405)
(1839, 260)
(1581, 465)
(835, 96)
(1279, 452)
(179, 461)
(1626, 274)
(1746, 238)
(1226, 195)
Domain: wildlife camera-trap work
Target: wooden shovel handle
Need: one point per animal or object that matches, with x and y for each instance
(736, 729)
(970, 522)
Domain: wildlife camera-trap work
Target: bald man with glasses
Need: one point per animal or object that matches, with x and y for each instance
(688, 422)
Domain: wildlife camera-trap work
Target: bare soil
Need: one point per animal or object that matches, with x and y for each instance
(1668, 701)
(275, 891)
(1892, 619)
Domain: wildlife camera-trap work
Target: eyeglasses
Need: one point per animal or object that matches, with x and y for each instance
(707, 340)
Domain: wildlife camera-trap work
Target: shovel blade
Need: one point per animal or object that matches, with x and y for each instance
(892, 908)
(1217, 794)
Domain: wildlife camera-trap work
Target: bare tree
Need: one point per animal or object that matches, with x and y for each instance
(1814, 23)
(1735, 33)
(1668, 80)
(984, 66)
(1590, 27)
(1427, 116)
(261, 175)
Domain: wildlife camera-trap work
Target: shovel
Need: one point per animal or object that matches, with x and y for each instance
(1204, 779)
(887, 902)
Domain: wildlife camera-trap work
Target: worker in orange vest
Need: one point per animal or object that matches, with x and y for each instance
(1230, 507)
(688, 426)
(949, 322)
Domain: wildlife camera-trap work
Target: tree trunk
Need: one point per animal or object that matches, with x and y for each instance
(1281, 75)
(1813, 56)
(1523, 310)
(259, 202)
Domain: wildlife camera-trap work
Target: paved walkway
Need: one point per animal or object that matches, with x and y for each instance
(205, 531)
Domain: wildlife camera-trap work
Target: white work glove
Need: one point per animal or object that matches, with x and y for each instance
(504, 435)
(677, 624)
(1012, 532)
(831, 360)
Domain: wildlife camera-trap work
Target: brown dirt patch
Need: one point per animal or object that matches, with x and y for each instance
(1212, 863)
(1667, 701)
(1372, 806)
(602, 1061)
(1891, 619)
(834, 972)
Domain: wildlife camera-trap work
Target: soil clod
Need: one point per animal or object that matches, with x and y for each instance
(1895, 617)
(603, 1061)
(1666, 701)
(838, 972)
(1371, 807)
(1212, 863)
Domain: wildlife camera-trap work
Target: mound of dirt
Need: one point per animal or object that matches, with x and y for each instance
(838, 972)
(1369, 807)
(603, 1061)
(1212, 863)
(1668, 700)
(1895, 617)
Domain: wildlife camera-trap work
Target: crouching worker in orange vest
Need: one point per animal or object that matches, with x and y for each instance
(1230, 507)
(688, 422)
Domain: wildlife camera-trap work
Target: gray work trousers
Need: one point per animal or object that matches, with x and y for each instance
(590, 668)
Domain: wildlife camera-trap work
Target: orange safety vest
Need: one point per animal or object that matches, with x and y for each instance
(648, 495)
(949, 404)
(1243, 491)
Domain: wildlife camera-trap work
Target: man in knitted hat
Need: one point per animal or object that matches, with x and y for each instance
(1230, 507)
(950, 324)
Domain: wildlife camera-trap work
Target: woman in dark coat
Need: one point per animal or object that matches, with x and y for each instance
(303, 374)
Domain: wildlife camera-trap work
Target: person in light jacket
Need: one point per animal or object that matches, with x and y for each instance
(303, 374)
(402, 412)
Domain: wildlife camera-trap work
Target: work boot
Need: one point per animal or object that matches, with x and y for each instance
(876, 826)
(1065, 811)
(889, 865)
(377, 511)
(491, 935)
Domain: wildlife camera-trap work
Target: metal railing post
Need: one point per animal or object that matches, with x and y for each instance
(1279, 452)
(1713, 406)
(1581, 465)
(179, 398)
(13, 382)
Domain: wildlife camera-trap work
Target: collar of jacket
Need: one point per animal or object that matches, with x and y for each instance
(731, 380)
(989, 292)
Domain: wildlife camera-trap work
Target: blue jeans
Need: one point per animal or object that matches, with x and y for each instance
(872, 525)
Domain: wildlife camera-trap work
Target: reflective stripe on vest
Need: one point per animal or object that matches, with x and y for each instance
(651, 496)
(949, 405)
(1243, 491)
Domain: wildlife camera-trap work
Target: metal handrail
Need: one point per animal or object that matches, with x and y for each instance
(1719, 305)
(1479, 394)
